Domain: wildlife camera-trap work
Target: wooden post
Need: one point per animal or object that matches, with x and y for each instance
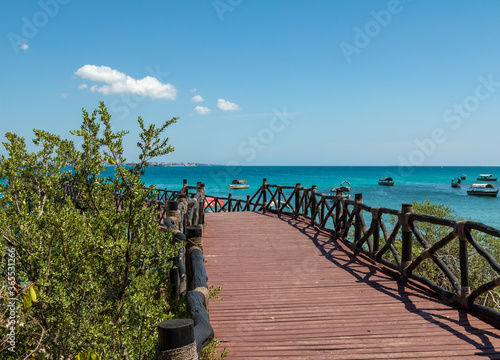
(322, 209)
(313, 203)
(202, 204)
(174, 213)
(229, 201)
(176, 340)
(278, 200)
(464, 263)
(338, 209)
(194, 236)
(184, 187)
(358, 198)
(376, 230)
(406, 235)
(297, 199)
(264, 195)
(182, 199)
(344, 217)
(247, 206)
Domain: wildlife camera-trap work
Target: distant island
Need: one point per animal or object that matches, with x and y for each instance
(161, 164)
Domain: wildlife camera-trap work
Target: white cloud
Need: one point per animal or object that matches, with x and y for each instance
(63, 95)
(193, 90)
(119, 83)
(24, 47)
(197, 98)
(225, 105)
(202, 110)
(83, 86)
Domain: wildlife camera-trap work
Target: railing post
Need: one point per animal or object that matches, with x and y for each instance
(278, 200)
(194, 237)
(297, 199)
(376, 230)
(229, 201)
(406, 209)
(464, 263)
(358, 199)
(182, 199)
(338, 210)
(322, 209)
(313, 203)
(247, 206)
(176, 340)
(201, 189)
(305, 201)
(264, 195)
(174, 213)
(184, 187)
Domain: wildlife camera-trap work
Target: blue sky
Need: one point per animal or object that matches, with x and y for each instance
(259, 82)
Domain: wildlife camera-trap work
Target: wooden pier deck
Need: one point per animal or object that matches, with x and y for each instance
(290, 292)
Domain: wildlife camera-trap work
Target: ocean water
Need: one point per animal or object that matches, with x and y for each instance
(411, 184)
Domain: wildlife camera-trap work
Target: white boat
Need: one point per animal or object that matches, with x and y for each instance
(344, 187)
(238, 184)
(486, 177)
(482, 190)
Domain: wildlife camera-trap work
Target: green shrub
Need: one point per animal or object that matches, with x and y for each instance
(87, 280)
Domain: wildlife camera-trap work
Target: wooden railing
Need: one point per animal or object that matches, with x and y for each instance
(393, 237)
(182, 212)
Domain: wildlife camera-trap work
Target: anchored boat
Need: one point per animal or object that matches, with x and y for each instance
(486, 177)
(344, 186)
(238, 184)
(386, 181)
(456, 183)
(482, 190)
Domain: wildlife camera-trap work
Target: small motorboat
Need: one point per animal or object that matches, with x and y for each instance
(482, 190)
(386, 181)
(486, 177)
(344, 188)
(238, 184)
(456, 183)
(463, 177)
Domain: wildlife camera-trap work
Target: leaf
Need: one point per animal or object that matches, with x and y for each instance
(26, 302)
(88, 356)
(34, 293)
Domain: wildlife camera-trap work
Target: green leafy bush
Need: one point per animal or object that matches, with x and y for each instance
(83, 279)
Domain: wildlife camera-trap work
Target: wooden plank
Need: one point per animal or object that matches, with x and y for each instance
(291, 292)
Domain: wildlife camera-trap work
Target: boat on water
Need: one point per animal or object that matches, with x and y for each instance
(482, 190)
(456, 183)
(486, 177)
(344, 186)
(463, 177)
(386, 181)
(238, 184)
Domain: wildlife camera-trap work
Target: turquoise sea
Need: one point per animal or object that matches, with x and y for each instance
(411, 184)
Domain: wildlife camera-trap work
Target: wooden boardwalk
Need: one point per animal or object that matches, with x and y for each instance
(290, 292)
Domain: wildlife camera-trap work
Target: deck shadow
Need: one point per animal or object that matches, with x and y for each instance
(341, 256)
